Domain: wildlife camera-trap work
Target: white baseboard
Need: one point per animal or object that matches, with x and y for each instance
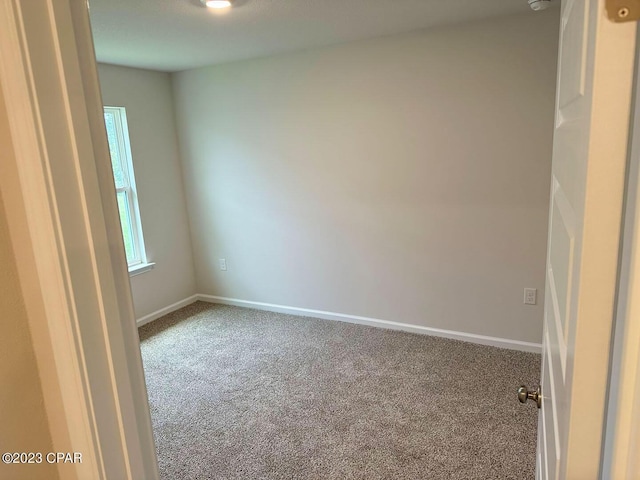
(375, 322)
(164, 311)
(342, 317)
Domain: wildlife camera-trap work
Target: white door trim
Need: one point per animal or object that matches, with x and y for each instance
(59, 195)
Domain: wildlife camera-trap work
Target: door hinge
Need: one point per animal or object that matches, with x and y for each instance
(623, 10)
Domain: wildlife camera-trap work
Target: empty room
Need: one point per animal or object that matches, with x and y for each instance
(397, 181)
(361, 239)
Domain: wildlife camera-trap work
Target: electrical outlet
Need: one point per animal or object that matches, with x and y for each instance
(223, 264)
(530, 296)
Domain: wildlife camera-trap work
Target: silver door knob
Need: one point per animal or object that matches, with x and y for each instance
(525, 394)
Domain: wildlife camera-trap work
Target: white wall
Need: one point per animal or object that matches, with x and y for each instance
(404, 178)
(148, 101)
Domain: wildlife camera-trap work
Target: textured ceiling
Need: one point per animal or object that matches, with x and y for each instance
(174, 35)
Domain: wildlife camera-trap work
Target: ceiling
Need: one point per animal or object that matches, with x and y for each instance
(173, 35)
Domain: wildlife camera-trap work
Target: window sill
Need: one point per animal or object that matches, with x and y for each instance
(140, 268)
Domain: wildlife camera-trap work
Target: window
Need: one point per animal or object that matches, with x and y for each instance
(115, 120)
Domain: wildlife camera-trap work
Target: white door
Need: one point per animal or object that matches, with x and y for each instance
(595, 71)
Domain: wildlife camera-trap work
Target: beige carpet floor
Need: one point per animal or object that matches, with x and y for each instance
(245, 394)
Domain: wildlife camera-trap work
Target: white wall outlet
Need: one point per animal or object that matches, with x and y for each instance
(530, 296)
(223, 263)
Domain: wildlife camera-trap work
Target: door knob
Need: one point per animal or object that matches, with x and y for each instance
(525, 394)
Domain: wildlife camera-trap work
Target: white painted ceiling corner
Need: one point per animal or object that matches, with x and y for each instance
(174, 35)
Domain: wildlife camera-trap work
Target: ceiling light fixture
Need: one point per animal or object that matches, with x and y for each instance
(538, 5)
(216, 3)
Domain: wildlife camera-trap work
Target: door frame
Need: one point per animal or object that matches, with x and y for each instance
(621, 448)
(60, 202)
